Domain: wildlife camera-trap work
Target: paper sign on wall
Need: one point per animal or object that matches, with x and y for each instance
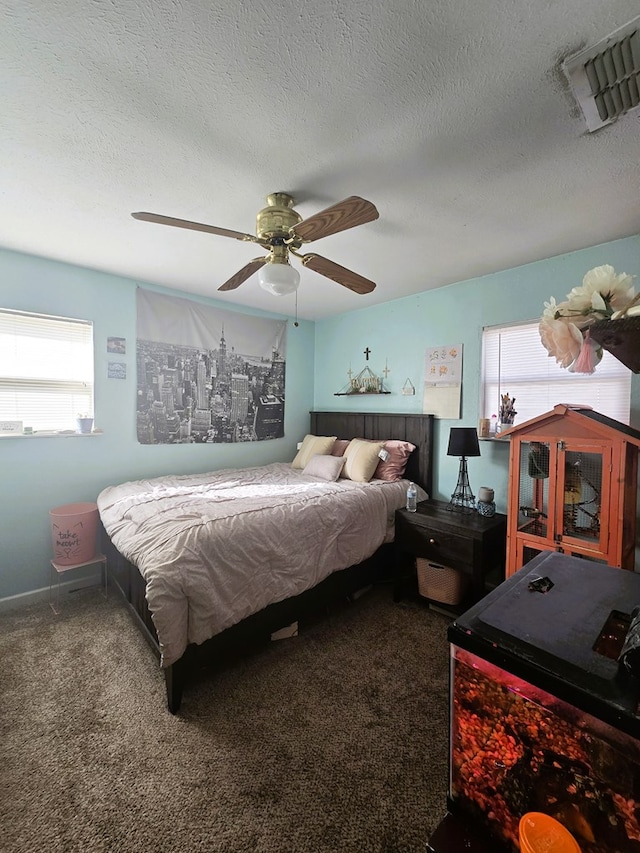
(443, 365)
(443, 381)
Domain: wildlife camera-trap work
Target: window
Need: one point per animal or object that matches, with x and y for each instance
(514, 362)
(46, 370)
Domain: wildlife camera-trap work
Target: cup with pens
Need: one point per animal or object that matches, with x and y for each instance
(507, 413)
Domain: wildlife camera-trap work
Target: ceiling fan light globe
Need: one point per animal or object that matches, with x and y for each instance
(278, 279)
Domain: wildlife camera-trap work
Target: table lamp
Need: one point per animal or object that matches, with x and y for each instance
(463, 442)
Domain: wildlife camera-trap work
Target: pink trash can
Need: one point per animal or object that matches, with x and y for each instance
(74, 532)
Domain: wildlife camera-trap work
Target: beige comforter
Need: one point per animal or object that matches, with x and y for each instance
(217, 547)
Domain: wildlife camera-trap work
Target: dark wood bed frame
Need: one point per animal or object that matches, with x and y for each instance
(127, 580)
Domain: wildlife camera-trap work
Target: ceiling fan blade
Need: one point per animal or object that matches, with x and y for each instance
(194, 226)
(345, 214)
(341, 275)
(243, 274)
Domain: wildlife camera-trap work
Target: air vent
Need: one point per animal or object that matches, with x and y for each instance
(605, 78)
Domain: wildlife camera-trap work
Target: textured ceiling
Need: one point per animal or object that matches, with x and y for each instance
(452, 116)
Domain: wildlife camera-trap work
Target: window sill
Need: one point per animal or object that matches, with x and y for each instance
(54, 434)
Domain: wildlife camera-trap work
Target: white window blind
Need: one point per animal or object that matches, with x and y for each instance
(514, 362)
(46, 369)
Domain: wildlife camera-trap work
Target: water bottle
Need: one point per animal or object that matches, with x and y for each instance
(412, 498)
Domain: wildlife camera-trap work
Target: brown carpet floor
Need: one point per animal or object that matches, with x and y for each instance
(335, 740)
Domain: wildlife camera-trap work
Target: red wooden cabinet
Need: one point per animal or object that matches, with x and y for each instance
(573, 477)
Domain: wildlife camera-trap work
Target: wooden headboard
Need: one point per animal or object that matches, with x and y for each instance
(418, 429)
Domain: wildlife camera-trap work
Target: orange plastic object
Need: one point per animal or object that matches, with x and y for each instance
(540, 833)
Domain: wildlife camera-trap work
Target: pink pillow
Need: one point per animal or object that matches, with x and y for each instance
(339, 446)
(393, 469)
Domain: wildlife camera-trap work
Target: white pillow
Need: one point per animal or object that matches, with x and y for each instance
(325, 467)
(362, 459)
(311, 446)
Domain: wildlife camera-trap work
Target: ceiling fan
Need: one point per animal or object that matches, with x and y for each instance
(281, 230)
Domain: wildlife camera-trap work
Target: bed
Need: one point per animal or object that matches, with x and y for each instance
(204, 580)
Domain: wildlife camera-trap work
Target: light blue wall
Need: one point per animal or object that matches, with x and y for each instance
(38, 473)
(398, 333)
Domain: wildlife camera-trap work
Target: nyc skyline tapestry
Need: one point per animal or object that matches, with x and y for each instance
(205, 375)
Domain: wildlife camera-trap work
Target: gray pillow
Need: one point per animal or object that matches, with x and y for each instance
(324, 467)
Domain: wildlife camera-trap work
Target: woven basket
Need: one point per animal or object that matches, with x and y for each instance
(440, 583)
(621, 338)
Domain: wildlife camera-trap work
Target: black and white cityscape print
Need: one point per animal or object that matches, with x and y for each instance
(205, 375)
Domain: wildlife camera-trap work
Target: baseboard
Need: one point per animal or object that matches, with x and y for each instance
(36, 596)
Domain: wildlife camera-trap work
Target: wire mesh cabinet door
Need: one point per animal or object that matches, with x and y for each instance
(583, 489)
(531, 502)
(563, 500)
(534, 494)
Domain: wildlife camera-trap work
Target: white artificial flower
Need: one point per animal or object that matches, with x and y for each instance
(634, 311)
(616, 290)
(565, 312)
(579, 299)
(562, 340)
(564, 326)
(550, 308)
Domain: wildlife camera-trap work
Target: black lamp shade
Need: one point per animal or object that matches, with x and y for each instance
(463, 441)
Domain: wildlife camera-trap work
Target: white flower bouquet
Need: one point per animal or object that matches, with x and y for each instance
(564, 326)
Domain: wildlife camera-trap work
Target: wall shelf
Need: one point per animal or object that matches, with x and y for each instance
(366, 382)
(359, 393)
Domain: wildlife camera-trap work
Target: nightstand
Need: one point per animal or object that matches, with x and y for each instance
(467, 542)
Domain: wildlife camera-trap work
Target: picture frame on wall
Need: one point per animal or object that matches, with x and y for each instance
(117, 345)
(116, 370)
